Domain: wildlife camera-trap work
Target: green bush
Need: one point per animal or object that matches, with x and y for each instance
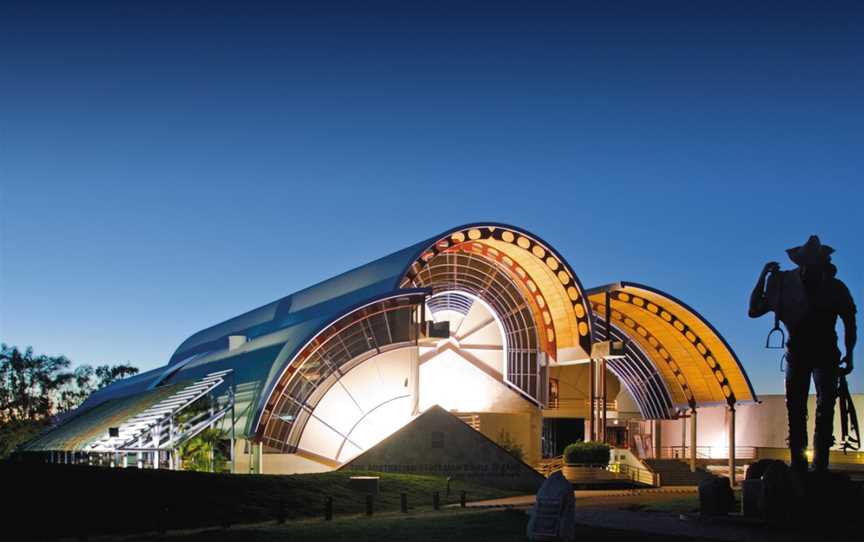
(587, 453)
(511, 446)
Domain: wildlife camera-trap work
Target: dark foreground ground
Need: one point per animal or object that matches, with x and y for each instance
(498, 525)
(44, 502)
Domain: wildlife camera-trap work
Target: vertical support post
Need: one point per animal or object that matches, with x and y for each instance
(657, 438)
(125, 459)
(260, 458)
(603, 392)
(232, 397)
(139, 454)
(732, 445)
(414, 378)
(601, 434)
(589, 420)
(693, 439)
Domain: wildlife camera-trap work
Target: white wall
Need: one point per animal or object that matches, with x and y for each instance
(761, 424)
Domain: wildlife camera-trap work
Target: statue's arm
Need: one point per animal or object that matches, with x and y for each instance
(758, 299)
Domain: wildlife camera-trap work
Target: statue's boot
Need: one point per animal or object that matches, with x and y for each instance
(821, 454)
(798, 464)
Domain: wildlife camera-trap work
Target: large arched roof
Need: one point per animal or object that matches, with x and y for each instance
(697, 366)
(675, 358)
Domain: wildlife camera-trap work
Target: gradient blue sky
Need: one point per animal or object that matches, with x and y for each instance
(163, 168)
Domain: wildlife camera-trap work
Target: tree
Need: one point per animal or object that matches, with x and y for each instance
(29, 384)
(204, 451)
(85, 380)
(34, 388)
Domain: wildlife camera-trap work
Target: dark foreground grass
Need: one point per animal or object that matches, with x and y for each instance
(455, 525)
(76, 499)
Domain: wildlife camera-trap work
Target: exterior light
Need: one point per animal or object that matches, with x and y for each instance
(608, 350)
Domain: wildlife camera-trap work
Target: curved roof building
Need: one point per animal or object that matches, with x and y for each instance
(484, 319)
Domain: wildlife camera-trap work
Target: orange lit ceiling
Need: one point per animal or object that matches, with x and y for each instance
(697, 365)
(552, 288)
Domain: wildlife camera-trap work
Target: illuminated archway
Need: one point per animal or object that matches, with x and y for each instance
(532, 289)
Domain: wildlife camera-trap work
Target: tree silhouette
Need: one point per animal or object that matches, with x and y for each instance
(35, 388)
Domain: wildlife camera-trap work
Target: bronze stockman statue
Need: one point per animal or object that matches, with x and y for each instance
(808, 301)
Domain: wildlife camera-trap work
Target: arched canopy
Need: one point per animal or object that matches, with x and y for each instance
(697, 366)
(530, 286)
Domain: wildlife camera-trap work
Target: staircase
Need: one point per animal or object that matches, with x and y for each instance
(674, 472)
(471, 420)
(154, 427)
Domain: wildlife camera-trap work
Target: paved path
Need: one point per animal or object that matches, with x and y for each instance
(603, 509)
(590, 498)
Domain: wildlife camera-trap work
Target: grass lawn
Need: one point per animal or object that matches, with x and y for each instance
(455, 525)
(685, 504)
(102, 500)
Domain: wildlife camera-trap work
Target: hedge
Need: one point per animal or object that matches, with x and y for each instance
(587, 453)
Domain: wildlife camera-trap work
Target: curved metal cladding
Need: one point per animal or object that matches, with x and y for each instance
(525, 267)
(696, 363)
(384, 324)
(289, 358)
(639, 375)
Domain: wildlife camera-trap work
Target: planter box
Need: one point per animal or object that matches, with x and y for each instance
(587, 473)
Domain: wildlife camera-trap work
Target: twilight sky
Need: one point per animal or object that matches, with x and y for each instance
(164, 168)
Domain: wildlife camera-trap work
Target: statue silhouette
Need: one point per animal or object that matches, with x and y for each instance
(808, 301)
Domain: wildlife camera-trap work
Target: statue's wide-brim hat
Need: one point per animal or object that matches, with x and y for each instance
(811, 252)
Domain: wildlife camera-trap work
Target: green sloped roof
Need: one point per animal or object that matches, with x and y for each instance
(79, 431)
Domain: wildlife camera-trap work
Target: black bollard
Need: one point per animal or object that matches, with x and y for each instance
(280, 511)
(328, 508)
(369, 504)
(403, 502)
(436, 500)
(463, 496)
(162, 520)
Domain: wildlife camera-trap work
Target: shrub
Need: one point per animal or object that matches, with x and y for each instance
(510, 445)
(587, 453)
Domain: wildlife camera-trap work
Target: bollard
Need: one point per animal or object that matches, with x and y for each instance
(328, 508)
(403, 502)
(448, 486)
(225, 520)
(463, 497)
(162, 520)
(280, 511)
(369, 504)
(436, 500)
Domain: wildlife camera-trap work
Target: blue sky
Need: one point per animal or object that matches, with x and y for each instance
(163, 168)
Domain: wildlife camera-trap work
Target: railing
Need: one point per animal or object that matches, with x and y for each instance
(558, 403)
(548, 466)
(623, 471)
(471, 420)
(707, 452)
(636, 474)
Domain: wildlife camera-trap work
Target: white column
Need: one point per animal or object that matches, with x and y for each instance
(414, 379)
(732, 444)
(693, 440)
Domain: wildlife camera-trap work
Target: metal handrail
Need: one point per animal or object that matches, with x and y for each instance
(636, 474)
(707, 452)
(558, 403)
(551, 465)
